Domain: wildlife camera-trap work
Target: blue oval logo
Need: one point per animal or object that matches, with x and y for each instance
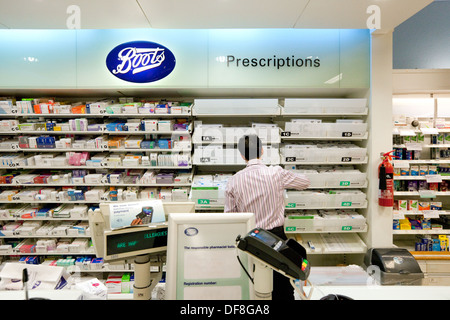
(190, 231)
(140, 61)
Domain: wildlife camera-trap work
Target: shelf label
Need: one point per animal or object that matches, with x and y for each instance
(398, 215)
(430, 214)
(291, 205)
(346, 159)
(344, 183)
(429, 130)
(405, 133)
(291, 159)
(207, 138)
(427, 193)
(432, 178)
(402, 164)
(347, 134)
(203, 201)
(205, 159)
(413, 146)
(291, 229)
(286, 134)
(347, 228)
(346, 203)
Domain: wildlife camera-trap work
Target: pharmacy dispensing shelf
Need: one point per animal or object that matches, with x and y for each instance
(49, 253)
(99, 167)
(338, 229)
(343, 186)
(96, 150)
(18, 236)
(422, 194)
(97, 184)
(363, 206)
(223, 135)
(97, 115)
(443, 177)
(404, 163)
(325, 106)
(69, 201)
(44, 219)
(419, 146)
(416, 232)
(284, 162)
(175, 132)
(327, 138)
(330, 243)
(411, 132)
(285, 113)
(400, 214)
(236, 108)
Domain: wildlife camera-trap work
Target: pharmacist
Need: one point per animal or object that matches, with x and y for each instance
(260, 189)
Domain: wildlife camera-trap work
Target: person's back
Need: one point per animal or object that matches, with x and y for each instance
(260, 189)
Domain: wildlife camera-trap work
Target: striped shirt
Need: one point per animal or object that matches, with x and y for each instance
(259, 189)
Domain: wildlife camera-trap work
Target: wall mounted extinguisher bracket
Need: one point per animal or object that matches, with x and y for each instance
(386, 181)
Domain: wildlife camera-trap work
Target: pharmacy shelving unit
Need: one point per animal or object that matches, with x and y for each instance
(424, 146)
(314, 123)
(218, 125)
(328, 240)
(12, 132)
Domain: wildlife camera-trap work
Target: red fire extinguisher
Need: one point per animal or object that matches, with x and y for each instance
(386, 181)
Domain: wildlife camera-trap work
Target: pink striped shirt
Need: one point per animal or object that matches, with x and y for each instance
(260, 189)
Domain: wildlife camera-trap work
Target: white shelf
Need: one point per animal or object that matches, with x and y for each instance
(331, 243)
(96, 150)
(50, 253)
(414, 213)
(418, 177)
(328, 231)
(326, 207)
(307, 114)
(74, 202)
(327, 138)
(415, 232)
(340, 187)
(98, 115)
(284, 162)
(98, 184)
(102, 167)
(417, 193)
(177, 132)
(44, 236)
(438, 161)
(43, 219)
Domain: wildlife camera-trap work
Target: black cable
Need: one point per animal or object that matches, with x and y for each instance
(239, 259)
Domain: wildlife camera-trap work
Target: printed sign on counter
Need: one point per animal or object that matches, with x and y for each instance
(126, 214)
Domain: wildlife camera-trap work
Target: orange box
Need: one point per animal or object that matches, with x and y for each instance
(79, 109)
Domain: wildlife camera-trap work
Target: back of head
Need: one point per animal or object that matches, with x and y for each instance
(250, 147)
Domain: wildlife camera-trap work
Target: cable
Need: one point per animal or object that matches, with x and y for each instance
(239, 259)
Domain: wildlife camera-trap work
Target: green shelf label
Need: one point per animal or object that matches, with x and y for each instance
(203, 201)
(346, 204)
(291, 205)
(291, 229)
(344, 183)
(346, 228)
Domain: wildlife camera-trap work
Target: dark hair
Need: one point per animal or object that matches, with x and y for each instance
(250, 146)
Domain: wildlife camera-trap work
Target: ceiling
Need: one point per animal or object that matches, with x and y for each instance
(203, 14)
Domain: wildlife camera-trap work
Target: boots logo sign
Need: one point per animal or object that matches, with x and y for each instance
(140, 61)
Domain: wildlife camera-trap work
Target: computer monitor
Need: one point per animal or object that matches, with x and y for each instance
(130, 242)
